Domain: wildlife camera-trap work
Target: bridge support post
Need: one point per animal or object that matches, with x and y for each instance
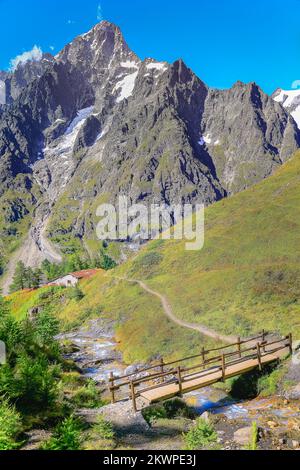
(223, 367)
(111, 388)
(239, 347)
(179, 380)
(203, 357)
(290, 343)
(133, 396)
(259, 356)
(162, 368)
(263, 340)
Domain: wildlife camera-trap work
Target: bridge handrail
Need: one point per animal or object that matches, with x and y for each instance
(215, 364)
(205, 352)
(209, 371)
(209, 361)
(186, 378)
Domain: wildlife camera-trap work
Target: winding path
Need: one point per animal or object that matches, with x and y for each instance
(169, 313)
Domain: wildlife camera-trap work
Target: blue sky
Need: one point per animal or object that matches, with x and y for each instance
(221, 40)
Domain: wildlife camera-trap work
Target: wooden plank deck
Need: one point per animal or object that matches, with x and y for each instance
(201, 379)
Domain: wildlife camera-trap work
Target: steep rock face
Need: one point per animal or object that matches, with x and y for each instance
(99, 122)
(247, 135)
(149, 149)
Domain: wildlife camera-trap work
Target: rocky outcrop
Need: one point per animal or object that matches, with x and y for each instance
(247, 134)
(120, 415)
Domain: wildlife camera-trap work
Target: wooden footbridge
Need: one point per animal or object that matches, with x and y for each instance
(166, 380)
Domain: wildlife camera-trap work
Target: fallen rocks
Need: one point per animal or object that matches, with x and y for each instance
(293, 393)
(243, 436)
(36, 438)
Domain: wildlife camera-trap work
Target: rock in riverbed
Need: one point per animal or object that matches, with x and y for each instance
(293, 393)
(120, 415)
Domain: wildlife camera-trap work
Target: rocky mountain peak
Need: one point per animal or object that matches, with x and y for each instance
(103, 45)
(181, 73)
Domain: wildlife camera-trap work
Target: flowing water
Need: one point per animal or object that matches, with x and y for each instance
(95, 351)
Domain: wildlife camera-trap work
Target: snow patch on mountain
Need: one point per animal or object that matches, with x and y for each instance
(129, 65)
(290, 99)
(67, 141)
(296, 115)
(158, 66)
(287, 97)
(81, 117)
(125, 86)
(207, 139)
(2, 92)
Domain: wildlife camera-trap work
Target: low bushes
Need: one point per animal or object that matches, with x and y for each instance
(10, 426)
(67, 436)
(88, 396)
(101, 436)
(168, 410)
(256, 382)
(201, 436)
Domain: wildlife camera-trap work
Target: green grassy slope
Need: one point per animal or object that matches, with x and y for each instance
(142, 329)
(247, 277)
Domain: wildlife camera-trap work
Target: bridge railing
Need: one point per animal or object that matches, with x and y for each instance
(162, 374)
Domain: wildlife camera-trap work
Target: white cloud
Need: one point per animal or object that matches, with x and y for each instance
(99, 12)
(52, 48)
(36, 54)
(296, 84)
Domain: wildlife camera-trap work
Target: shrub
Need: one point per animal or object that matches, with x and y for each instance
(268, 384)
(254, 437)
(202, 435)
(106, 262)
(153, 413)
(88, 396)
(35, 381)
(76, 293)
(101, 436)
(104, 429)
(10, 426)
(256, 382)
(167, 410)
(66, 436)
(46, 328)
(177, 408)
(10, 334)
(7, 382)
